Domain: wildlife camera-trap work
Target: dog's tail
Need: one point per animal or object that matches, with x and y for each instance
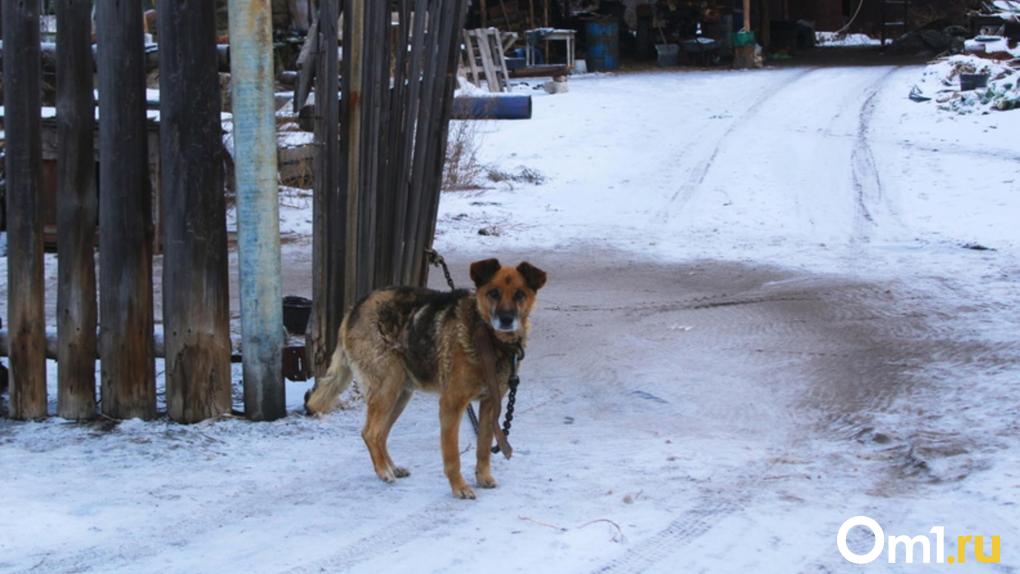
(323, 396)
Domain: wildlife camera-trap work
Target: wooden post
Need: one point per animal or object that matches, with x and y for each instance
(747, 15)
(196, 308)
(258, 208)
(125, 216)
(76, 212)
(484, 12)
(25, 287)
(328, 224)
(353, 112)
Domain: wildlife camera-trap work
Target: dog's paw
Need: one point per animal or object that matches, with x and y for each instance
(485, 480)
(463, 492)
(386, 475)
(401, 472)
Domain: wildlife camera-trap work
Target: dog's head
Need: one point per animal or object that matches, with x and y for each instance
(505, 295)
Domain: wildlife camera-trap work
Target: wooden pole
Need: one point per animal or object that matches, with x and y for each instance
(258, 209)
(196, 297)
(25, 288)
(353, 115)
(327, 227)
(125, 216)
(484, 12)
(747, 15)
(76, 212)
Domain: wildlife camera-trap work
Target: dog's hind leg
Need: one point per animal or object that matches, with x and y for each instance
(384, 394)
(398, 408)
(323, 396)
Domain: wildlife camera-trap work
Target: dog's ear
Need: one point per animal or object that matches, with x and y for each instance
(482, 271)
(533, 276)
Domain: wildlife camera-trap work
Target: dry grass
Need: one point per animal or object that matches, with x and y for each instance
(462, 169)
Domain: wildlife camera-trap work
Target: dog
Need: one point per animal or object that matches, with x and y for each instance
(400, 339)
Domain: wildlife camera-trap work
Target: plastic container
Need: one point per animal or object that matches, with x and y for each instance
(602, 38)
(743, 38)
(668, 54)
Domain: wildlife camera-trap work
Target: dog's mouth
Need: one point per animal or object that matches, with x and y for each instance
(505, 325)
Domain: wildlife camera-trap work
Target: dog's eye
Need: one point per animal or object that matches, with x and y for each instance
(494, 294)
(519, 296)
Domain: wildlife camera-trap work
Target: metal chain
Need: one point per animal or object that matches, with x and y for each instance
(437, 260)
(511, 398)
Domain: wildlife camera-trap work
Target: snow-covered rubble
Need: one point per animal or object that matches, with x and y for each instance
(842, 40)
(940, 82)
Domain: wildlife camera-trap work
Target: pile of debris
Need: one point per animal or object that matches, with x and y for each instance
(983, 74)
(994, 84)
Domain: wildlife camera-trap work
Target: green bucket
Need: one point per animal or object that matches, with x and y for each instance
(743, 38)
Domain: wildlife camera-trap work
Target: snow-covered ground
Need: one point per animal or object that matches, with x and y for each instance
(769, 309)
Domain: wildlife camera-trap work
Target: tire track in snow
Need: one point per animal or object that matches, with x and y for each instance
(697, 174)
(867, 184)
(393, 535)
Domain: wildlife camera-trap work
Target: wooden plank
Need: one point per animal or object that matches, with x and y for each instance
(25, 287)
(472, 58)
(412, 106)
(327, 227)
(196, 297)
(76, 213)
(444, 104)
(484, 47)
(125, 216)
(351, 119)
(421, 143)
(307, 65)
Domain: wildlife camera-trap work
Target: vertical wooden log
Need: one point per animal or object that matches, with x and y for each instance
(353, 115)
(125, 216)
(195, 291)
(76, 212)
(258, 208)
(25, 288)
(449, 49)
(328, 226)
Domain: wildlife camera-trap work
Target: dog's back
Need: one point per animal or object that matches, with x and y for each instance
(388, 335)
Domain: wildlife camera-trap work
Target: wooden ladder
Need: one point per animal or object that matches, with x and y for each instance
(483, 59)
(895, 14)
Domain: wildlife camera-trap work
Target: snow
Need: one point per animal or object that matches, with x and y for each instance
(738, 261)
(844, 39)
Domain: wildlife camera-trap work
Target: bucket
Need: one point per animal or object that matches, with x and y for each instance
(296, 312)
(603, 42)
(970, 82)
(668, 54)
(743, 38)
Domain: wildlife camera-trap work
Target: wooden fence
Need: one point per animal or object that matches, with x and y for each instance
(382, 111)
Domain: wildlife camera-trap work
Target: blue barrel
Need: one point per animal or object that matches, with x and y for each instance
(508, 107)
(602, 38)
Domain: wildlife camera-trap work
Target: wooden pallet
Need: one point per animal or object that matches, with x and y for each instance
(483, 58)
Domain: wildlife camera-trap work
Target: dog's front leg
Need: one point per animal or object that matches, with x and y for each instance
(451, 410)
(487, 415)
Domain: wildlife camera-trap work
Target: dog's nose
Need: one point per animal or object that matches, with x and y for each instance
(506, 321)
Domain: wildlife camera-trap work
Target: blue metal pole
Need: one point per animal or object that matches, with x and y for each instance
(258, 220)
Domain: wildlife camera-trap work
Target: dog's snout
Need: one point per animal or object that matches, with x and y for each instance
(506, 320)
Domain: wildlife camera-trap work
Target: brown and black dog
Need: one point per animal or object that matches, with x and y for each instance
(399, 339)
